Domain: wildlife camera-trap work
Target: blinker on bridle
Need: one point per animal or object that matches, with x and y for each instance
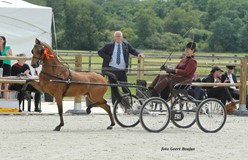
(42, 50)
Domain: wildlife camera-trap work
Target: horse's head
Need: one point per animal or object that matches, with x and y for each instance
(41, 51)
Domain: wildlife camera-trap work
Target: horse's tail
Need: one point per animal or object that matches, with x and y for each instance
(118, 93)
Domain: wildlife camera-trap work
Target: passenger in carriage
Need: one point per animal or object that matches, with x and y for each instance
(183, 72)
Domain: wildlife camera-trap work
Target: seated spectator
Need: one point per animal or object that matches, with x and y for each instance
(221, 93)
(230, 77)
(196, 92)
(5, 64)
(22, 69)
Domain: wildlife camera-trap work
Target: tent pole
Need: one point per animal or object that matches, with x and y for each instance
(55, 34)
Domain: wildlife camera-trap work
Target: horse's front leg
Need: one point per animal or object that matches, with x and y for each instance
(59, 101)
(34, 83)
(24, 88)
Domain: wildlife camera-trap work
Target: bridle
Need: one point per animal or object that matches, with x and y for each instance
(40, 51)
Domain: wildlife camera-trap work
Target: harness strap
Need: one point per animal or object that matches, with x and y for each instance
(68, 81)
(50, 75)
(68, 84)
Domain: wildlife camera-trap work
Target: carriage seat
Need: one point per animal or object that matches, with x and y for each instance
(113, 76)
(110, 75)
(181, 88)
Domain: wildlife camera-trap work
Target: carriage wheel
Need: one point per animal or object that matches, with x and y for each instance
(126, 111)
(155, 114)
(183, 112)
(211, 115)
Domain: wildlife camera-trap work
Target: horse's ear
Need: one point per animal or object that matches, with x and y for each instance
(37, 41)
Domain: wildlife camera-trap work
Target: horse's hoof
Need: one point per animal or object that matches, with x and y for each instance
(88, 111)
(110, 127)
(57, 128)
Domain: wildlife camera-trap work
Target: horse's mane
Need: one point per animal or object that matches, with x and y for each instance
(47, 46)
(38, 42)
(50, 50)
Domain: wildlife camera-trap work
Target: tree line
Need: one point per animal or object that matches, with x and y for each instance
(215, 25)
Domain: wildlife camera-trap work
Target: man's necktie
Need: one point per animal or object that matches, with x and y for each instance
(118, 59)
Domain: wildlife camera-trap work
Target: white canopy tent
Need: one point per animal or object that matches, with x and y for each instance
(22, 22)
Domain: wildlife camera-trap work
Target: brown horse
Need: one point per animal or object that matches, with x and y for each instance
(53, 69)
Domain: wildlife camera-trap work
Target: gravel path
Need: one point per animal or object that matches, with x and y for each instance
(28, 137)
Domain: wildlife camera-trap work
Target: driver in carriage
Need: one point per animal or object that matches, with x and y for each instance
(182, 73)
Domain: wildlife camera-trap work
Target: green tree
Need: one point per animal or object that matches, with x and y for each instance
(84, 22)
(37, 2)
(171, 41)
(218, 25)
(225, 36)
(146, 23)
(179, 21)
(199, 35)
(244, 35)
(200, 4)
(59, 14)
(160, 7)
(119, 13)
(130, 35)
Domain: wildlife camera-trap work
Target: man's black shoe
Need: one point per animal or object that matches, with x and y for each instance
(37, 110)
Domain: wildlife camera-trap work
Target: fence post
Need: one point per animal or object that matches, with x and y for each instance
(130, 64)
(243, 79)
(140, 76)
(235, 60)
(78, 66)
(140, 67)
(77, 100)
(90, 61)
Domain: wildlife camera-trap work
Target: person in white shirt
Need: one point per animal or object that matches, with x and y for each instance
(230, 77)
(115, 57)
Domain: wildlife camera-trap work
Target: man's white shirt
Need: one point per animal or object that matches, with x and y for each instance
(113, 63)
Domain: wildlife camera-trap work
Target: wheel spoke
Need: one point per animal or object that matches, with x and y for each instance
(126, 111)
(155, 115)
(183, 112)
(211, 115)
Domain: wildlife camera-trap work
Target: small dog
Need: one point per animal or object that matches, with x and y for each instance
(230, 108)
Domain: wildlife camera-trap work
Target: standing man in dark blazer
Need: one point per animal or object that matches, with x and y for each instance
(115, 60)
(230, 77)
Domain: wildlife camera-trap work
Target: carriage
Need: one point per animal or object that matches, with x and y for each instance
(154, 113)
